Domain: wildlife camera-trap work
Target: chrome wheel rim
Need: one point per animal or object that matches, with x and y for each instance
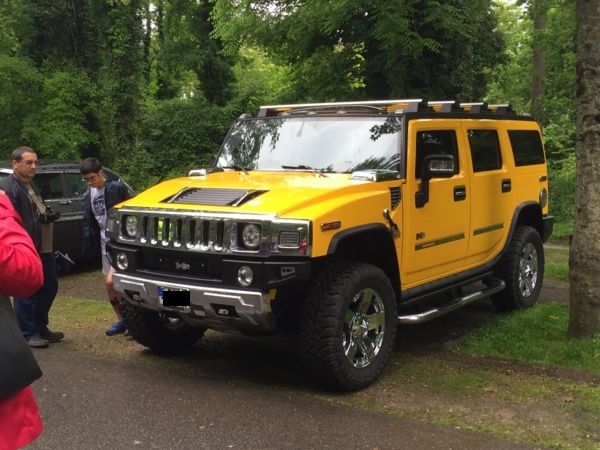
(364, 328)
(528, 270)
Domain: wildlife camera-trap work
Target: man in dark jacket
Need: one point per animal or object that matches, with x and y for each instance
(98, 199)
(32, 312)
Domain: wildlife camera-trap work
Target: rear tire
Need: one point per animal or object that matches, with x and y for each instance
(348, 325)
(522, 269)
(158, 332)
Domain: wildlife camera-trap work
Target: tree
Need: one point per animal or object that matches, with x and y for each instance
(584, 257)
(349, 49)
(539, 11)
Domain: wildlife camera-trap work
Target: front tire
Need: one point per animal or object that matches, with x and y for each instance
(522, 269)
(158, 332)
(348, 325)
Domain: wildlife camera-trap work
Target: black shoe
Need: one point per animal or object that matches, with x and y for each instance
(52, 336)
(38, 342)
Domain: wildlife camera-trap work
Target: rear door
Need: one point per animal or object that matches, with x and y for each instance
(491, 191)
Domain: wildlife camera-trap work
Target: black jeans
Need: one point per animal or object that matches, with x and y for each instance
(32, 312)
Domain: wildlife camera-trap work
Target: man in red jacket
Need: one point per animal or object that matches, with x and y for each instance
(21, 275)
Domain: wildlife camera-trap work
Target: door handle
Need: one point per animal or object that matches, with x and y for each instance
(64, 202)
(506, 185)
(460, 193)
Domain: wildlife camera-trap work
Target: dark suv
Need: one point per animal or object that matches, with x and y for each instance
(62, 187)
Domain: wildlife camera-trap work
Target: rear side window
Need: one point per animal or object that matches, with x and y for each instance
(485, 150)
(435, 142)
(527, 147)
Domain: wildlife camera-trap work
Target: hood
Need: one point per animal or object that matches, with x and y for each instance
(275, 193)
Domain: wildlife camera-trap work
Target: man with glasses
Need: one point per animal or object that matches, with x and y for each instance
(38, 218)
(101, 195)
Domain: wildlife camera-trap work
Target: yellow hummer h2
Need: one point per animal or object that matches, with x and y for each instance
(340, 221)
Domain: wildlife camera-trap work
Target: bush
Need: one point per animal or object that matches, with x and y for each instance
(562, 196)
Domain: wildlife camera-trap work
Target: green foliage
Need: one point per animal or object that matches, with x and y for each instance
(542, 338)
(20, 100)
(379, 49)
(62, 131)
(179, 135)
(562, 196)
(259, 81)
(186, 44)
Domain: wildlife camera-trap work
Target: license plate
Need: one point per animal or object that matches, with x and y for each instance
(174, 299)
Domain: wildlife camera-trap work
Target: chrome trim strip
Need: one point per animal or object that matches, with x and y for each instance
(489, 228)
(253, 308)
(444, 240)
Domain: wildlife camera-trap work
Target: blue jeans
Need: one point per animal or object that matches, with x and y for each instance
(32, 312)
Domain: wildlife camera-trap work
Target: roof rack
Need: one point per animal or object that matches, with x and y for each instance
(386, 107)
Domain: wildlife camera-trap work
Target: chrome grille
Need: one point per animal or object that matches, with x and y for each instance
(192, 233)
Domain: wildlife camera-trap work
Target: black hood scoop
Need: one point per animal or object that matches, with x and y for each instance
(214, 197)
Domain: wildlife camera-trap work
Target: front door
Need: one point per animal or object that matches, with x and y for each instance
(435, 236)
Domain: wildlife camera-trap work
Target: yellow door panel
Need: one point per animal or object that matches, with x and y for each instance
(435, 235)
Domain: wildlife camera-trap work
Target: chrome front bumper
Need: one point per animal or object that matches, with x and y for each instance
(210, 307)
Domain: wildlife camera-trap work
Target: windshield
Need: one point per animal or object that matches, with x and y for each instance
(328, 144)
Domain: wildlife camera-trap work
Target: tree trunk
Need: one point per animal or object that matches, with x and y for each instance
(539, 11)
(584, 258)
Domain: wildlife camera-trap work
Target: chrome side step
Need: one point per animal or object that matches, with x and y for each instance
(496, 285)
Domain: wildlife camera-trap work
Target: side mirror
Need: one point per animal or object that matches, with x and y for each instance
(434, 166)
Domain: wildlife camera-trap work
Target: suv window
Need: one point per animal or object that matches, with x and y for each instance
(485, 150)
(527, 147)
(77, 185)
(437, 142)
(49, 185)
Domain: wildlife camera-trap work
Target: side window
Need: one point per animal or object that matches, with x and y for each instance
(435, 142)
(77, 185)
(527, 147)
(49, 185)
(485, 150)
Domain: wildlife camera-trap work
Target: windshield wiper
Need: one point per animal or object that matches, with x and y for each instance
(307, 168)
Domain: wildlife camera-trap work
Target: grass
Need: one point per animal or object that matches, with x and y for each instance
(557, 263)
(535, 335)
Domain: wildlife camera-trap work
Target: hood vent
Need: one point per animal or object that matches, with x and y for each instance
(395, 196)
(214, 197)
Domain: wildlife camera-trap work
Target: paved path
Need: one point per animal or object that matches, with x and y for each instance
(88, 402)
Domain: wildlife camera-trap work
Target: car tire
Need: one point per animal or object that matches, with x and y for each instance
(522, 269)
(158, 332)
(348, 325)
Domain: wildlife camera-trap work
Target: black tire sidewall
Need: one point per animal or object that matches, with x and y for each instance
(511, 297)
(324, 341)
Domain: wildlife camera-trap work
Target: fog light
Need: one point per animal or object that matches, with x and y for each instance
(122, 261)
(245, 276)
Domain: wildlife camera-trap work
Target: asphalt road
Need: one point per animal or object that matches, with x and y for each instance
(91, 402)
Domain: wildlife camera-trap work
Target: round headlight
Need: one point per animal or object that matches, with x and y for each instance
(131, 226)
(122, 261)
(245, 276)
(251, 236)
